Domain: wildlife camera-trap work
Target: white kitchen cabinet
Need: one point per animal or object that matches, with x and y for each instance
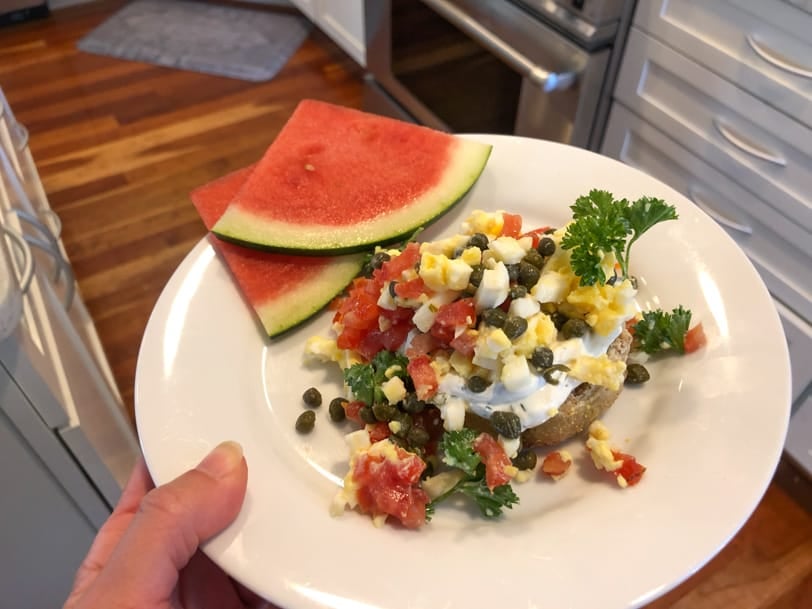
(342, 21)
(66, 444)
(713, 98)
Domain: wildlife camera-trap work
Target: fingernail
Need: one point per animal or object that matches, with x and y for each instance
(221, 461)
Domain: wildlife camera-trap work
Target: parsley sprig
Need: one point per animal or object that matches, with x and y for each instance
(458, 451)
(661, 331)
(365, 380)
(601, 225)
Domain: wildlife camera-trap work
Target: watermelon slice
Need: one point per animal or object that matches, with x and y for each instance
(339, 180)
(284, 290)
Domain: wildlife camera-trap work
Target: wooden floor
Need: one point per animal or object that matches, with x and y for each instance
(120, 145)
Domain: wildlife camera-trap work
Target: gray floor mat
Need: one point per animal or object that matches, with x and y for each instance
(221, 40)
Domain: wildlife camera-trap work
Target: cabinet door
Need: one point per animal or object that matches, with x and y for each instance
(49, 512)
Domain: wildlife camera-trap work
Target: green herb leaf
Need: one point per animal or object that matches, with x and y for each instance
(490, 504)
(365, 380)
(458, 450)
(643, 214)
(601, 225)
(660, 331)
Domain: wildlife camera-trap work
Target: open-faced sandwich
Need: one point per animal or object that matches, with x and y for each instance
(461, 355)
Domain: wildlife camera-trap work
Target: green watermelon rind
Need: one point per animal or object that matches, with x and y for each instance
(241, 227)
(278, 317)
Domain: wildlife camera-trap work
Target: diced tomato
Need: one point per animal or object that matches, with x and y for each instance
(395, 336)
(351, 409)
(421, 344)
(398, 314)
(443, 334)
(536, 234)
(512, 226)
(389, 486)
(407, 259)
(378, 431)
(555, 465)
(630, 324)
(361, 311)
(423, 377)
(411, 289)
(460, 313)
(465, 342)
(494, 458)
(695, 338)
(631, 470)
(369, 344)
(349, 338)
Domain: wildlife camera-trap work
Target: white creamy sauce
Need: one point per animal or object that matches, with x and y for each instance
(540, 400)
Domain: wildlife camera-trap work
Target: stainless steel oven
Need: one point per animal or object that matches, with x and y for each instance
(538, 68)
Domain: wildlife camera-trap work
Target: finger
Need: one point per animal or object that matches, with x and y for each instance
(111, 531)
(171, 522)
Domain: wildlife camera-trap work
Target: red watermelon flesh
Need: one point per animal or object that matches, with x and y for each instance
(284, 290)
(337, 179)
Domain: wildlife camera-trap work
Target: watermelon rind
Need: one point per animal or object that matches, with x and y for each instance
(467, 160)
(305, 300)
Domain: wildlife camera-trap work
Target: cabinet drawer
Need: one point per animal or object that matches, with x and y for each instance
(764, 46)
(779, 248)
(757, 146)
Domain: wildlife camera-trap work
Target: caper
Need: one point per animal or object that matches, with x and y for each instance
(514, 326)
(513, 272)
(533, 257)
(306, 421)
(549, 373)
(574, 328)
(517, 291)
(546, 247)
(526, 459)
(378, 258)
(477, 384)
(494, 317)
(476, 275)
(636, 374)
(507, 424)
(559, 319)
(405, 421)
(384, 412)
(336, 408)
(542, 357)
(367, 415)
(479, 240)
(528, 274)
(418, 436)
(412, 404)
(312, 397)
(398, 441)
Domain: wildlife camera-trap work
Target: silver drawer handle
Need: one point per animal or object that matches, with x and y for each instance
(27, 264)
(777, 59)
(548, 81)
(723, 220)
(742, 142)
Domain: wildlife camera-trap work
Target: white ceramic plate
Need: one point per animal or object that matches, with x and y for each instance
(710, 428)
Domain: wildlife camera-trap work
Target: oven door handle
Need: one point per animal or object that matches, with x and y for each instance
(546, 80)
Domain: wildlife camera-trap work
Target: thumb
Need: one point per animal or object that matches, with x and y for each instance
(172, 521)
